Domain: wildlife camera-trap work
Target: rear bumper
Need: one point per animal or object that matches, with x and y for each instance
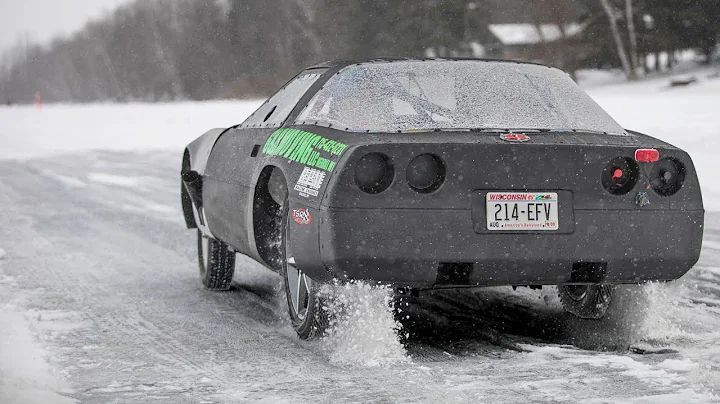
(407, 247)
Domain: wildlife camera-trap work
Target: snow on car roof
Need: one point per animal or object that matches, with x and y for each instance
(341, 63)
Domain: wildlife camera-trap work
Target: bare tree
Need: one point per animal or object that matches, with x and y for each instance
(632, 36)
(622, 54)
(556, 49)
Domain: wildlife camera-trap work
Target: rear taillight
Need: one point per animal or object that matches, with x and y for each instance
(425, 173)
(374, 173)
(647, 155)
(667, 176)
(620, 175)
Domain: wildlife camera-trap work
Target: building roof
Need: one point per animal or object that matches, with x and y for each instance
(528, 34)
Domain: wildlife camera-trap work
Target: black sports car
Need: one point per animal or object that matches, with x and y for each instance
(440, 173)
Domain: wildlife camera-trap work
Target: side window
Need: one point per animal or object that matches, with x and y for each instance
(277, 108)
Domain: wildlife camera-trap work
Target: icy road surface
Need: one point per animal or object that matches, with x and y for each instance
(99, 265)
(100, 300)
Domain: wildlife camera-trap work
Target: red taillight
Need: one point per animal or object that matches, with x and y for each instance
(647, 155)
(620, 175)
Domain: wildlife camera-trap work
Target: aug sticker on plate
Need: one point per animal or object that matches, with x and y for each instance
(522, 211)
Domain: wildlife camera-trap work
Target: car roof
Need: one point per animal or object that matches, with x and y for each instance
(340, 63)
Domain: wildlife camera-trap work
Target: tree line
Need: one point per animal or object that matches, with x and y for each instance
(156, 50)
(640, 27)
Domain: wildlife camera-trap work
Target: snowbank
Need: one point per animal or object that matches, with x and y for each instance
(25, 376)
(27, 132)
(684, 116)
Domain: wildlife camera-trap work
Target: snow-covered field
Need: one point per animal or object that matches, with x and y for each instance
(100, 302)
(26, 131)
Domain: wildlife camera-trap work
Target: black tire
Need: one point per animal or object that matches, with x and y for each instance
(311, 321)
(586, 301)
(217, 264)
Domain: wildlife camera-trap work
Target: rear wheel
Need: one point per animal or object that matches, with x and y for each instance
(308, 317)
(586, 301)
(216, 262)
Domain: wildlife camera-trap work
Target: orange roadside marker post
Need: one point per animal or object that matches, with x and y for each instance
(38, 100)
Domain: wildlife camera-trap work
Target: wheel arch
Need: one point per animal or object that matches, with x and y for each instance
(267, 214)
(195, 159)
(187, 206)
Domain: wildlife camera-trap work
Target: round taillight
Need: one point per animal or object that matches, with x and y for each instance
(620, 175)
(374, 173)
(425, 173)
(667, 176)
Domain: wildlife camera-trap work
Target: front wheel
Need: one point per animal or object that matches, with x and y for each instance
(307, 315)
(586, 301)
(216, 262)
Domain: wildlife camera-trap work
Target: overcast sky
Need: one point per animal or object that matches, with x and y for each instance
(45, 19)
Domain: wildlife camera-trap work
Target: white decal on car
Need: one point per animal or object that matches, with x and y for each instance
(310, 182)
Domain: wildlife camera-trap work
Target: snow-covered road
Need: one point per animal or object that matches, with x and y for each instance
(99, 267)
(100, 300)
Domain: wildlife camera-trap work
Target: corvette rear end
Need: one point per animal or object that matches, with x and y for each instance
(474, 209)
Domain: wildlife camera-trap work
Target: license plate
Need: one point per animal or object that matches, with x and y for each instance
(522, 211)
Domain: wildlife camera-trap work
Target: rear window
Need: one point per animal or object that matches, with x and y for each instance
(428, 95)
